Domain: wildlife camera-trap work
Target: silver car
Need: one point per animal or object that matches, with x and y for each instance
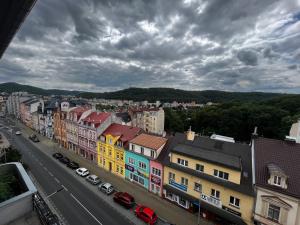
(93, 179)
(106, 188)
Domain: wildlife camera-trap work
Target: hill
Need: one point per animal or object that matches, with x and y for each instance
(150, 94)
(14, 87)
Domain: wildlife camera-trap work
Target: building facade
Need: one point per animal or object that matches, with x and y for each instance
(89, 129)
(59, 122)
(142, 150)
(74, 116)
(111, 147)
(13, 103)
(277, 181)
(151, 120)
(215, 173)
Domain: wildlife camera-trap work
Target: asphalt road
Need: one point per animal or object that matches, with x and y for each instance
(75, 202)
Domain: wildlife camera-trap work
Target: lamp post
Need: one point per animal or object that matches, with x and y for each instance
(198, 223)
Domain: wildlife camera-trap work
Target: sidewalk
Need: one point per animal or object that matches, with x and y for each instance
(163, 208)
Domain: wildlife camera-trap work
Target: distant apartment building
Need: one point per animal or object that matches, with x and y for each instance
(74, 117)
(215, 172)
(151, 120)
(13, 102)
(59, 117)
(142, 150)
(277, 181)
(89, 129)
(111, 147)
(3, 100)
(295, 131)
(28, 108)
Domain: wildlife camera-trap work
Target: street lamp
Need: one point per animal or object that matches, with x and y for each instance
(198, 223)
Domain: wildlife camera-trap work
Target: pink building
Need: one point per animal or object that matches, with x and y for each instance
(74, 116)
(156, 177)
(89, 129)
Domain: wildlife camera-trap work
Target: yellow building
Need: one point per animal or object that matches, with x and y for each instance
(215, 170)
(111, 147)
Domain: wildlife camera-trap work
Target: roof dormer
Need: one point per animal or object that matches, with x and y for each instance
(277, 176)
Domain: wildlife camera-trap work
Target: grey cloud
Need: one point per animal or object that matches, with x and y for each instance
(248, 57)
(101, 45)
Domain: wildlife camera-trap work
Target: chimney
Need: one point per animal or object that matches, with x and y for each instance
(190, 135)
(254, 134)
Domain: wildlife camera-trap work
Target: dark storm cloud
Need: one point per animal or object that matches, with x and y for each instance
(190, 44)
(248, 57)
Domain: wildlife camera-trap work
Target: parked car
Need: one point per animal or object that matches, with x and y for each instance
(73, 165)
(106, 188)
(64, 160)
(18, 132)
(57, 155)
(146, 214)
(82, 172)
(34, 138)
(124, 199)
(93, 179)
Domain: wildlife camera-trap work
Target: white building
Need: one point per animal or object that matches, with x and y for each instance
(151, 120)
(295, 131)
(13, 102)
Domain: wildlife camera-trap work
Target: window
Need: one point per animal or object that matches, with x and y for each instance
(156, 172)
(199, 167)
(109, 152)
(182, 162)
(184, 181)
(142, 150)
(110, 141)
(171, 176)
(132, 147)
(117, 155)
(141, 181)
(121, 156)
(121, 170)
(131, 161)
(142, 165)
(215, 193)
(221, 174)
(273, 212)
(152, 154)
(277, 180)
(117, 169)
(198, 187)
(234, 201)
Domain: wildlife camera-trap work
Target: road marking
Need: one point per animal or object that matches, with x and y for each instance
(41, 164)
(66, 189)
(85, 209)
(56, 180)
(51, 174)
(45, 168)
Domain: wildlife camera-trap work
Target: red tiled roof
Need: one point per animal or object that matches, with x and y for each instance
(96, 117)
(283, 154)
(126, 133)
(149, 141)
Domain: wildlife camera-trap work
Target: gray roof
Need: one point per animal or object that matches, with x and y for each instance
(218, 157)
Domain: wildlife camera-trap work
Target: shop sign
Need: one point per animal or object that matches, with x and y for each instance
(231, 211)
(178, 186)
(128, 167)
(211, 200)
(155, 180)
(143, 174)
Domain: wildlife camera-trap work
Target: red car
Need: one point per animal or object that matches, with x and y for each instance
(124, 199)
(146, 214)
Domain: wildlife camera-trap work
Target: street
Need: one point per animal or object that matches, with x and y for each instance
(76, 202)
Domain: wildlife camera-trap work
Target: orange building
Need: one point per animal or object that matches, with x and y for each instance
(60, 131)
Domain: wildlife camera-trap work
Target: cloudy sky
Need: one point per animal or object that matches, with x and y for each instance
(97, 45)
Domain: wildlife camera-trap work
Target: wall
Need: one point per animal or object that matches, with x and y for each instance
(136, 169)
(292, 212)
(246, 202)
(234, 176)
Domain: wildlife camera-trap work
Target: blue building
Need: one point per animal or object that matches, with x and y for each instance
(137, 168)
